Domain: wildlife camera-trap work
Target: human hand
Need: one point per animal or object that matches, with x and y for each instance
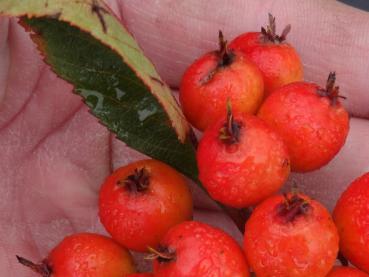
(54, 154)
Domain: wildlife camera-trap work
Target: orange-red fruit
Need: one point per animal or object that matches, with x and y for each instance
(141, 201)
(351, 216)
(141, 275)
(249, 169)
(344, 271)
(196, 249)
(86, 254)
(289, 236)
(277, 60)
(209, 82)
(311, 120)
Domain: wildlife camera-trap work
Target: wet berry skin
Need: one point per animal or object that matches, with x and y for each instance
(82, 255)
(141, 201)
(245, 172)
(345, 271)
(291, 236)
(313, 126)
(208, 83)
(351, 216)
(198, 250)
(92, 255)
(277, 60)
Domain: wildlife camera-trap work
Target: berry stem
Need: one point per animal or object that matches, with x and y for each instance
(139, 181)
(162, 254)
(269, 33)
(43, 269)
(230, 132)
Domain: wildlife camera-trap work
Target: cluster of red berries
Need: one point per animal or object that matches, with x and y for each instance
(243, 161)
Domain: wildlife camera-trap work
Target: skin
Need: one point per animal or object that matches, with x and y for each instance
(343, 271)
(54, 189)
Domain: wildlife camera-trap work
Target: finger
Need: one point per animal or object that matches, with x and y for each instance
(4, 55)
(53, 191)
(20, 68)
(328, 35)
(327, 184)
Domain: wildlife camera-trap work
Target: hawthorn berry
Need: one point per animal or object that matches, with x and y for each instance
(141, 201)
(290, 235)
(82, 255)
(345, 271)
(277, 60)
(215, 77)
(310, 119)
(241, 160)
(196, 249)
(351, 216)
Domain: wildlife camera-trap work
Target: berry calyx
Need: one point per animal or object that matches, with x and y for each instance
(230, 132)
(162, 254)
(138, 181)
(292, 207)
(226, 56)
(42, 268)
(331, 91)
(269, 33)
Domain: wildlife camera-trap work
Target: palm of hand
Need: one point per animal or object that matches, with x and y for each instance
(54, 155)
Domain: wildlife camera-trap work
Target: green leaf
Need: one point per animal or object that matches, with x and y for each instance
(87, 46)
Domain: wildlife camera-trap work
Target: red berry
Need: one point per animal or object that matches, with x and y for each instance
(351, 216)
(344, 271)
(241, 160)
(290, 236)
(196, 249)
(141, 275)
(311, 120)
(82, 255)
(216, 77)
(141, 201)
(277, 60)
